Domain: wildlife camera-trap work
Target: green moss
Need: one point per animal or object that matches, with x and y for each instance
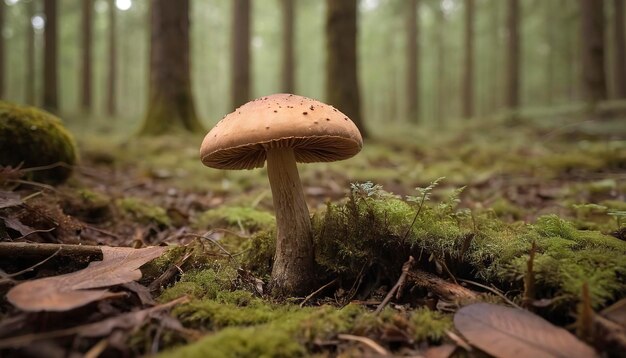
(429, 325)
(87, 205)
(143, 211)
(258, 253)
(35, 138)
(205, 284)
(237, 218)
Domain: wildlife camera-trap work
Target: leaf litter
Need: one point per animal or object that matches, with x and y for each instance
(119, 265)
(511, 332)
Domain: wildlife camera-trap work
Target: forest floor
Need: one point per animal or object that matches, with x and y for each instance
(517, 214)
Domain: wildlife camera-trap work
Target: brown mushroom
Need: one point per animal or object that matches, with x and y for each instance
(284, 129)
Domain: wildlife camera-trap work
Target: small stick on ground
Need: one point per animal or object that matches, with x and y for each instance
(406, 267)
(367, 341)
(307, 298)
(494, 291)
(38, 250)
(443, 289)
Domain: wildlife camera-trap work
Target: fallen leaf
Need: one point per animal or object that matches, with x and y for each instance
(443, 351)
(102, 328)
(119, 265)
(9, 199)
(510, 332)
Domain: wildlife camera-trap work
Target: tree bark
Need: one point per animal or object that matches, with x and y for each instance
(468, 71)
(593, 51)
(412, 61)
(494, 61)
(29, 68)
(619, 44)
(2, 52)
(440, 78)
(293, 271)
(240, 53)
(86, 75)
(513, 56)
(288, 46)
(111, 103)
(170, 100)
(342, 84)
(50, 85)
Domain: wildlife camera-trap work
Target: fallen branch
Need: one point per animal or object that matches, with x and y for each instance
(38, 250)
(406, 267)
(441, 288)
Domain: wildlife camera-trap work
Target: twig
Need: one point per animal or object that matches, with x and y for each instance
(102, 231)
(307, 298)
(22, 249)
(441, 288)
(207, 236)
(405, 271)
(494, 291)
(367, 341)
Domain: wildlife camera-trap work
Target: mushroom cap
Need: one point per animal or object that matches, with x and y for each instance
(316, 131)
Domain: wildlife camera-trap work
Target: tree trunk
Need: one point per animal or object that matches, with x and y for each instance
(513, 56)
(111, 105)
(86, 54)
(342, 85)
(29, 75)
(592, 43)
(240, 53)
(619, 44)
(468, 71)
(440, 78)
(50, 85)
(412, 61)
(2, 53)
(549, 23)
(288, 46)
(170, 101)
(494, 61)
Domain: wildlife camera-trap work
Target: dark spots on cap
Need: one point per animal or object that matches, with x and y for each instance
(327, 119)
(275, 111)
(315, 122)
(268, 127)
(305, 113)
(335, 109)
(345, 118)
(311, 108)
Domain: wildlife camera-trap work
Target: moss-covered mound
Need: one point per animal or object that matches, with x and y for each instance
(35, 138)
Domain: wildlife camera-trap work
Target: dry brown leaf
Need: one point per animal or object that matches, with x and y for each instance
(65, 292)
(616, 312)
(510, 332)
(126, 321)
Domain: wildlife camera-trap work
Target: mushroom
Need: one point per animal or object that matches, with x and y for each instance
(284, 129)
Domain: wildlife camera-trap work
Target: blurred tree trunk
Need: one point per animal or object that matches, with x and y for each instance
(240, 53)
(513, 56)
(111, 105)
(342, 84)
(619, 43)
(50, 85)
(86, 29)
(29, 73)
(468, 71)
(170, 101)
(550, 27)
(412, 61)
(440, 78)
(2, 54)
(288, 46)
(494, 59)
(593, 51)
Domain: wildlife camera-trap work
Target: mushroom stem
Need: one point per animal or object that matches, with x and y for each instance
(293, 271)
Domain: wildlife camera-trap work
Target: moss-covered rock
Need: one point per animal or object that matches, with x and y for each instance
(35, 138)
